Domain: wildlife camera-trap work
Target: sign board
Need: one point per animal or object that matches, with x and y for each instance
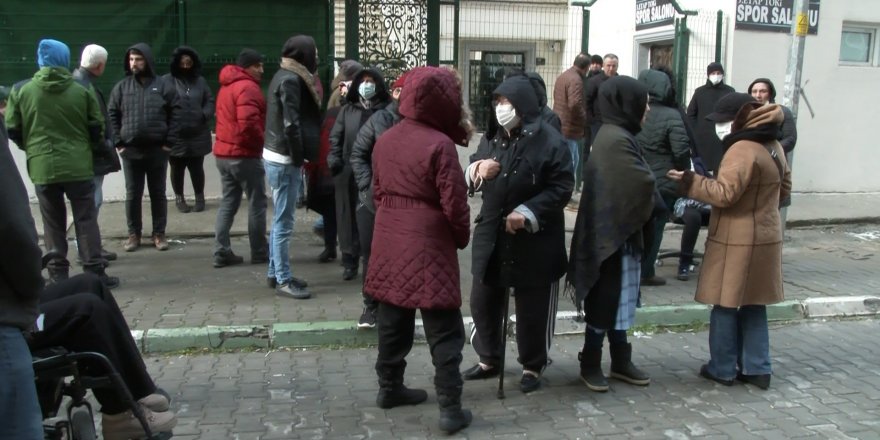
(774, 16)
(654, 13)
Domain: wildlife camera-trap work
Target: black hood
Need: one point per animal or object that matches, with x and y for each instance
(178, 53)
(540, 88)
(769, 85)
(302, 48)
(622, 102)
(382, 95)
(519, 91)
(145, 50)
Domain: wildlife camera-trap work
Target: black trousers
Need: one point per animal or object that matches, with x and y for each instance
(82, 315)
(196, 167)
(85, 220)
(366, 220)
(445, 333)
(535, 322)
(693, 219)
(154, 168)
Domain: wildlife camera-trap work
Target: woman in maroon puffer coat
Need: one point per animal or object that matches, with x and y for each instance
(422, 218)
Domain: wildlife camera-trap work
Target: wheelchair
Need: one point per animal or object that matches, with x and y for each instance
(59, 373)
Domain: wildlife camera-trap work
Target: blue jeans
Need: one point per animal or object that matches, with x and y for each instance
(22, 418)
(99, 193)
(739, 338)
(284, 180)
(574, 147)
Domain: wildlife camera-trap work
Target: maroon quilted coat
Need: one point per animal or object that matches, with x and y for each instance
(422, 215)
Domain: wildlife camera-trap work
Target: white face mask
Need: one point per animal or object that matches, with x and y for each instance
(723, 129)
(367, 90)
(716, 78)
(506, 115)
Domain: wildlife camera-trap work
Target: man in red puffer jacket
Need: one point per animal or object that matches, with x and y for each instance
(241, 118)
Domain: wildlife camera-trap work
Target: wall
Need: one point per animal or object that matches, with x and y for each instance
(833, 148)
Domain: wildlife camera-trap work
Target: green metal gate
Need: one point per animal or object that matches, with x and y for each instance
(217, 29)
(486, 73)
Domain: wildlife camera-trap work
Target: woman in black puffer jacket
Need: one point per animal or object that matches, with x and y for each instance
(192, 114)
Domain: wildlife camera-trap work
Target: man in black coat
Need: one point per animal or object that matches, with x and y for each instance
(293, 129)
(20, 286)
(105, 160)
(702, 103)
(361, 166)
(367, 94)
(609, 70)
(526, 179)
(140, 112)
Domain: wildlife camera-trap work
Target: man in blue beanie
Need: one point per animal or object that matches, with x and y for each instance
(58, 123)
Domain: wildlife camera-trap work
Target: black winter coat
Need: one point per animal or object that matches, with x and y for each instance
(351, 118)
(362, 150)
(701, 105)
(663, 139)
(193, 108)
(20, 279)
(105, 160)
(141, 111)
(535, 172)
(293, 115)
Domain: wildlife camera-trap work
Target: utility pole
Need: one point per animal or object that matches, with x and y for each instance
(800, 25)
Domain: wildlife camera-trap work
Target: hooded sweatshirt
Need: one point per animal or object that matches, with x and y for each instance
(194, 107)
(548, 115)
(788, 130)
(54, 120)
(140, 109)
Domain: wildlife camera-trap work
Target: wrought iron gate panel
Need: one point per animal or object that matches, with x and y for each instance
(393, 35)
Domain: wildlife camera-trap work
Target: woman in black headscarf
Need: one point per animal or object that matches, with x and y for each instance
(611, 233)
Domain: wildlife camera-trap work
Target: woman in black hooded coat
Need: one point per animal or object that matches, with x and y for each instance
(612, 233)
(192, 112)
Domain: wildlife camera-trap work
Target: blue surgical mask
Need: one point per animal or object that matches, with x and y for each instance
(367, 90)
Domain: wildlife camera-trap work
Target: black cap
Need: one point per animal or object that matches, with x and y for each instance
(728, 106)
(248, 57)
(714, 67)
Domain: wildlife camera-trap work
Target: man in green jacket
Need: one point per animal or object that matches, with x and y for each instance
(57, 122)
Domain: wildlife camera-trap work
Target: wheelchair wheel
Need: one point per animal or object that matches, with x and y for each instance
(82, 426)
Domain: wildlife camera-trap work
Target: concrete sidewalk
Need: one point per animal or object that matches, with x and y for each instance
(176, 299)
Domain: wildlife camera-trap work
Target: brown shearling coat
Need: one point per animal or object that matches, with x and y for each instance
(568, 103)
(743, 259)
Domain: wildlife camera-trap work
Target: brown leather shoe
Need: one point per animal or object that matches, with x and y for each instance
(160, 242)
(133, 242)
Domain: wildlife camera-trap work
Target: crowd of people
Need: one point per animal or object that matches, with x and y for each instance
(380, 166)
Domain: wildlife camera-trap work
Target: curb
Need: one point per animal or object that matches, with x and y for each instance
(331, 334)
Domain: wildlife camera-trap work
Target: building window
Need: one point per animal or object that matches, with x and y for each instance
(858, 45)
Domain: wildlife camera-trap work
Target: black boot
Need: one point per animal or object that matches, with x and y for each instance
(392, 391)
(58, 275)
(350, 267)
(591, 370)
(110, 282)
(328, 255)
(200, 203)
(622, 367)
(399, 395)
(180, 203)
(452, 417)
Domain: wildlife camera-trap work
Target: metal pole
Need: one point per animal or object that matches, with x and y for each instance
(800, 25)
(718, 30)
(585, 30)
(432, 52)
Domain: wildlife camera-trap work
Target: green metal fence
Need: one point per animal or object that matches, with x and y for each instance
(217, 29)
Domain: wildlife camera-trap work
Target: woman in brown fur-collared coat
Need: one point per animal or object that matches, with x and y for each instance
(742, 269)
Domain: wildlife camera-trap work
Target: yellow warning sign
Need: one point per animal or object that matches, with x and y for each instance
(803, 25)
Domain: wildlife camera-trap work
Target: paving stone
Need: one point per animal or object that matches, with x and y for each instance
(311, 401)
